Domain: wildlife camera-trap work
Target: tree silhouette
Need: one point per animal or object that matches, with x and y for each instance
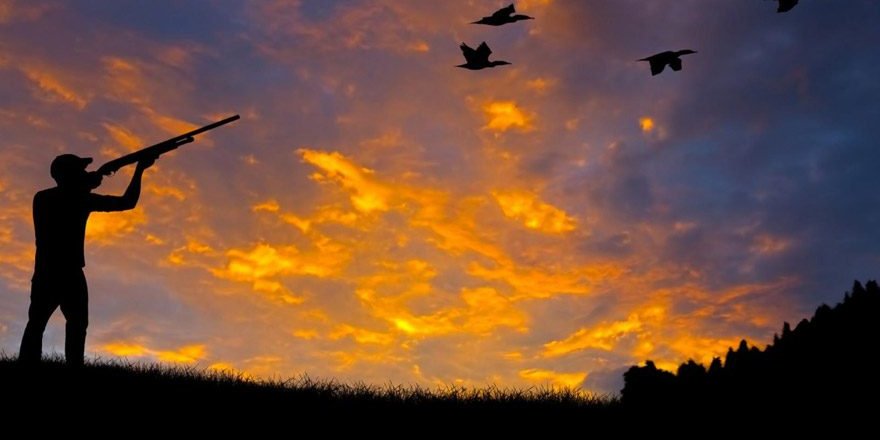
(826, 360)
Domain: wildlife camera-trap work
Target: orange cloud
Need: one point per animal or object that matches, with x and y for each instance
(16, 261)
(323, 214)
(186, 354)
(603, 336)
(536, 283)
(540, 84)
(124, 80)
(264, 265)
(271, 268)
(454, 234)
(107, 227)
(534, 213)
(504, 115)
(361, 336)
(167, 191)
(346, 360)
(647, 124)
(555, 379)
(388, 295)
(261, 265)
(424, 207)
(125, 349)
(267, 206)
(17, 252)
(171, 125)
(420, 46)
(305, 333)
(122, 136)
(53, 88)
(459, 234)
(178, 257)
(526, 4)
(368, 195)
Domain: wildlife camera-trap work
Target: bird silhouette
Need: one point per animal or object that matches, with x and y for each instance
(660, 60)
(786, 5)
(503, 16)
(479, 58)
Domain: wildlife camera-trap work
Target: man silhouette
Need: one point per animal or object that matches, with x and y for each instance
(60, 216)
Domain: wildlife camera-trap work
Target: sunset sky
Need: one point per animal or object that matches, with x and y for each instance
(379, 215)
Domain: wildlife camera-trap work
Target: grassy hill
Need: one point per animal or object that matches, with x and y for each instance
(145, 392)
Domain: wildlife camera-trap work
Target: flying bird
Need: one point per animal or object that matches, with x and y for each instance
(503, 16)
(786, 5)
(479, 58)
(660, 60)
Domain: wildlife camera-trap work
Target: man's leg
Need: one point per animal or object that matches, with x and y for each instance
(43, 304)
(75, 307)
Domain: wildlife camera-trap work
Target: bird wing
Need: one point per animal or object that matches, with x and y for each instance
(675, 64)
(482, 53)
(657, 66)
(786, 5)
(469, 54)
(504, 12)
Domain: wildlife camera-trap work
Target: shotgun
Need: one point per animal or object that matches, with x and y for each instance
(159, 149)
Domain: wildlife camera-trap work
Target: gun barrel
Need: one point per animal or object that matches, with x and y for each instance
(206, 128)
(160, 148)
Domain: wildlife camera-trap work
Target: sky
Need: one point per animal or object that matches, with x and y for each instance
(379, 215)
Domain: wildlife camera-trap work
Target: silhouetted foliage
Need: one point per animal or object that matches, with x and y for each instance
(825, 361)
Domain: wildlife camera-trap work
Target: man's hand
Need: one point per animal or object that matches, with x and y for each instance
(146, 163)
(93, 180)
(133, 192)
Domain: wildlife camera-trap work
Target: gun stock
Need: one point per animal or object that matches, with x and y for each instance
(159, 149)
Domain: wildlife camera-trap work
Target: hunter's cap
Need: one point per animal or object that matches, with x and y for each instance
(67, 163)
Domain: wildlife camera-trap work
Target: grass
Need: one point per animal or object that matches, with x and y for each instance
(114, 386)
(109, 395)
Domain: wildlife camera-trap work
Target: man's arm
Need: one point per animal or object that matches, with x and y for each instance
(129, 199)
